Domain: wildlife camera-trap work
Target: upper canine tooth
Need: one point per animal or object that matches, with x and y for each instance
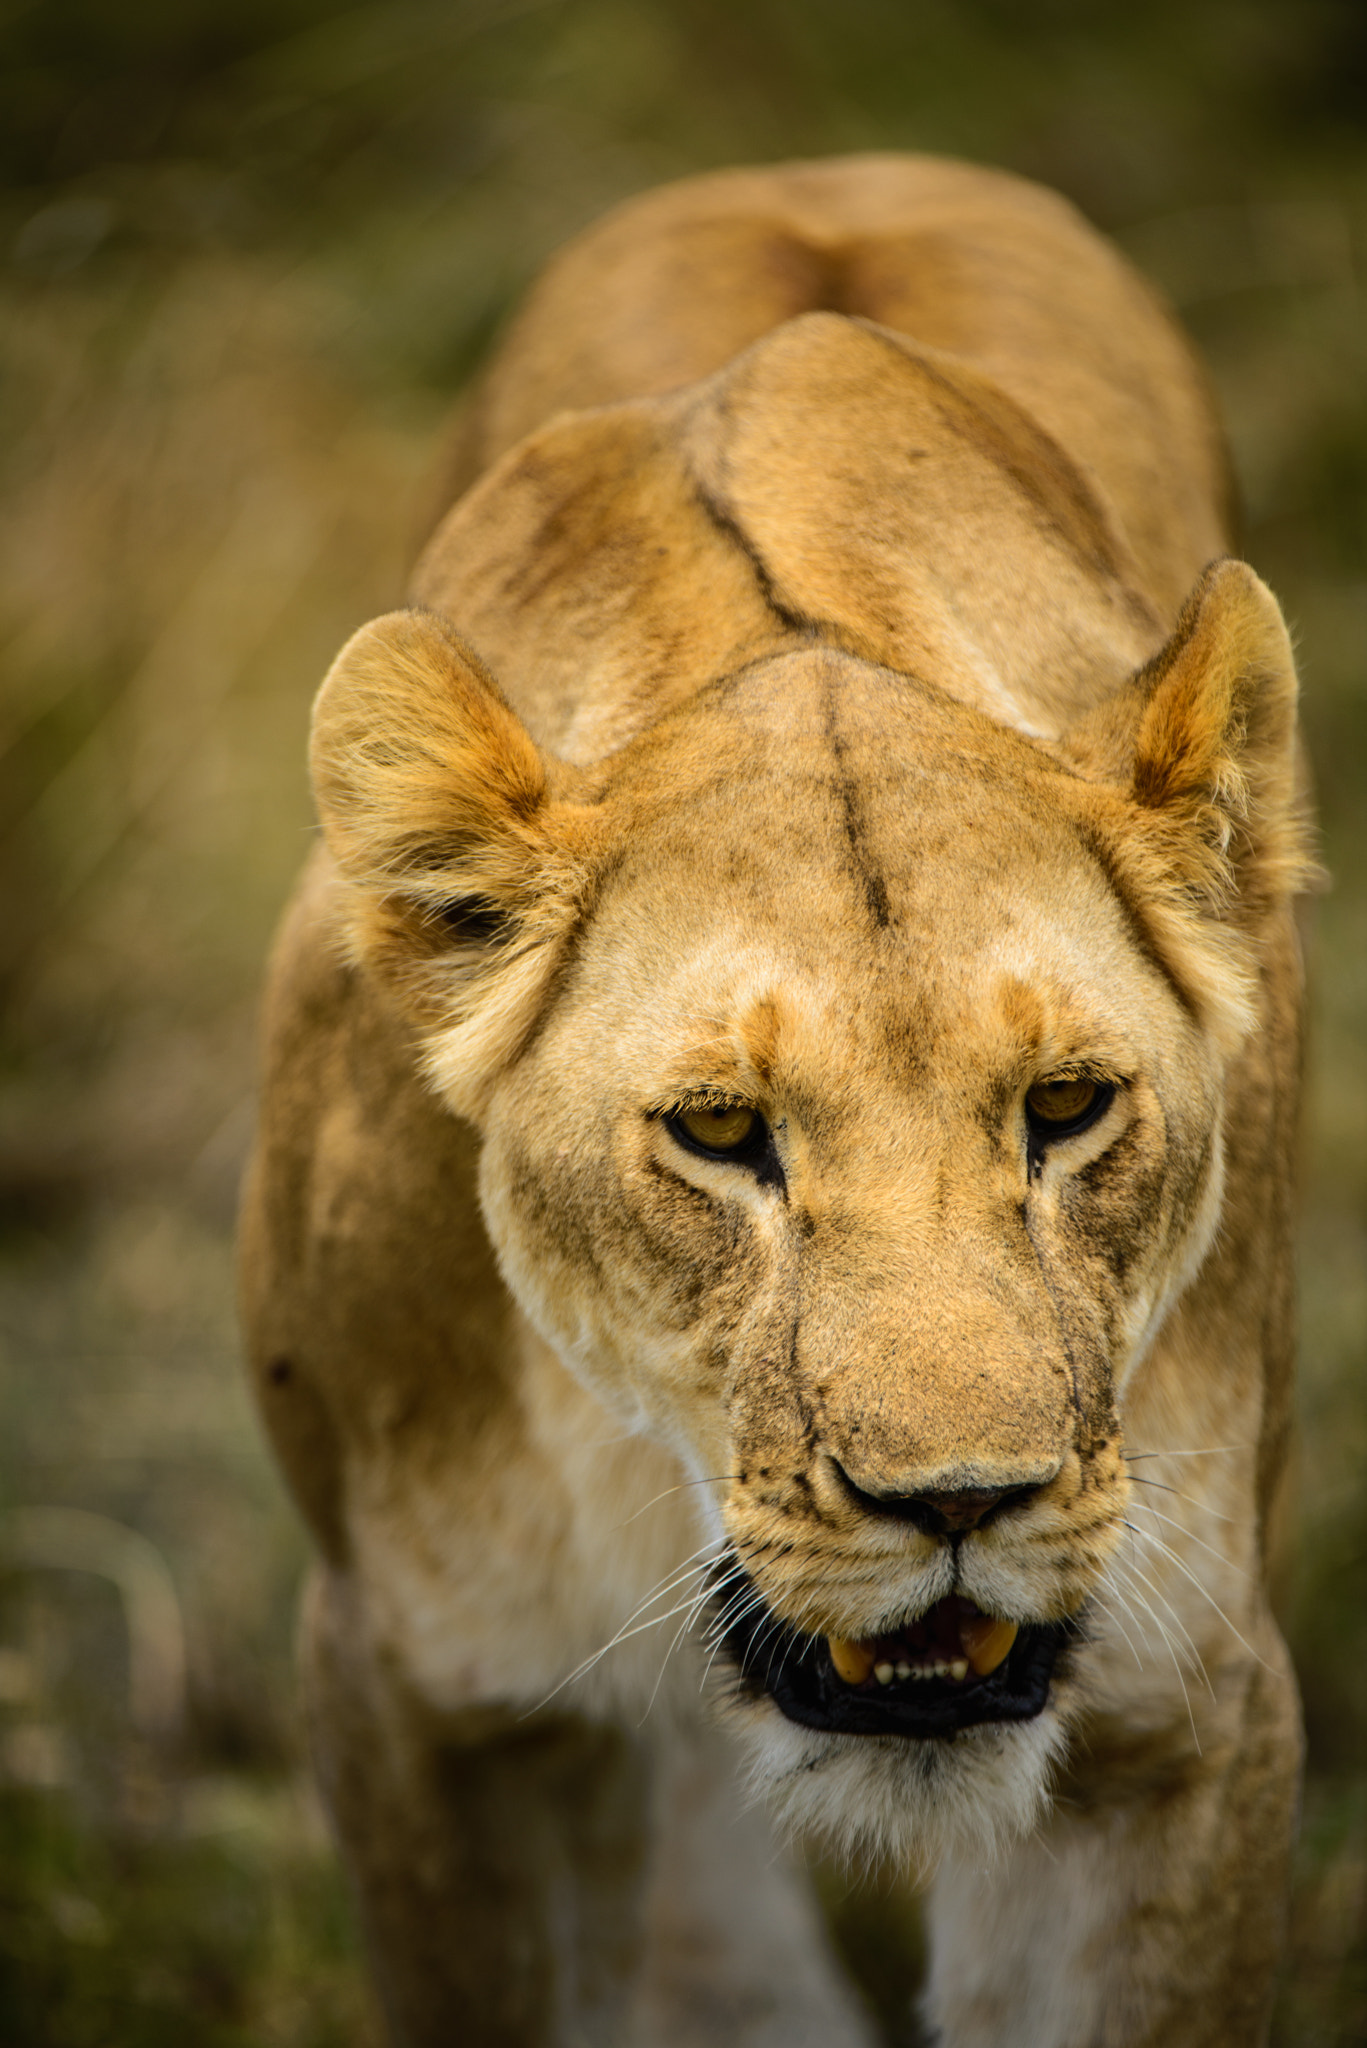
(986, 1641)
(853, 1660)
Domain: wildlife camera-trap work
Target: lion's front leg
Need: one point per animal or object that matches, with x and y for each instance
(558, 1882)
(498, 1865)
(1149, 1912)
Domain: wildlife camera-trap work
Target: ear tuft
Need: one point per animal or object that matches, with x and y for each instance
(1210, 835)
(1215, 745)
(422, 774)
(1204, 740)
(465, 861)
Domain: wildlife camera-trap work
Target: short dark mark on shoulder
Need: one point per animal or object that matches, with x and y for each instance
(868, 877)
(726, 523)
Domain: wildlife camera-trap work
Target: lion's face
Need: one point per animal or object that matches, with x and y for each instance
(850, 1071)
(856, 1152)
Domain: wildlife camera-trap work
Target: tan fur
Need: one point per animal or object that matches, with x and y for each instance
(827, 696)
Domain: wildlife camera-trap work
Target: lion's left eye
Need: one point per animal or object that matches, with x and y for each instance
(1062, 1108)
(726, 1130)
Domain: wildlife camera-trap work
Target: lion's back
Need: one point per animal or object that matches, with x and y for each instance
(671, 286)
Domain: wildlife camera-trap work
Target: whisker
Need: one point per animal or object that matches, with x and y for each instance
(1215, 1451)
(720, 1635)
(717, 1479)
(692, 1610)
(1121, 1626)
(698, 1565)
(737, 1584)
(707, 1668)
(774, 1632)
(697, 1561)
(1193, 1654)
(1137, 1570)
(1218, 1555)
(801, 1626)
(797, 1630)
(1193, 1500)
(1168, 1644)
(1204, 1591)
(730, 1615)
(624, 1635)
(665, 1590)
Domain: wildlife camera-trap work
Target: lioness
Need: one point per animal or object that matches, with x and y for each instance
(766, 1258)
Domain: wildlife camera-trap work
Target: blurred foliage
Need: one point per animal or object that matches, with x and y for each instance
(248, 253)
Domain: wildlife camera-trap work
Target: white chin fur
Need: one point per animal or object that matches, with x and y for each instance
(905, 1802)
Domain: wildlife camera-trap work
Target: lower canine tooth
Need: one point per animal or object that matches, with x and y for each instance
(985, 1641)
(853, 1660)
(883, 1673)
(959, 1668)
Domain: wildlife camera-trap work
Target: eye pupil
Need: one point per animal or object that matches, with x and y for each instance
(1058, 1106)
(723, 1127)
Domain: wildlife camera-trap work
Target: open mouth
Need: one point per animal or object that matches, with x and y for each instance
(949, 1668)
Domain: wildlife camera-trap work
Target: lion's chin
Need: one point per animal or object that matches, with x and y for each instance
(910, 1803)
(931, 1758)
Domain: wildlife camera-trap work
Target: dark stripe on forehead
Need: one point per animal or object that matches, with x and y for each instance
(870, 881)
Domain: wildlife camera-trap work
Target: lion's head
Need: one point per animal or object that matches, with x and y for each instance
(850, 1064)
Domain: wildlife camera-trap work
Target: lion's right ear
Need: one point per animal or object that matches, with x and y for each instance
(1211, 837)
(466, 854)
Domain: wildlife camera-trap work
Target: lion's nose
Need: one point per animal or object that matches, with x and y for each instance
(937, 1513)
(951, 1514)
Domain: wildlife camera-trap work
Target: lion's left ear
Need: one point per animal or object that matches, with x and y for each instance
(1203, 742)
(466, 851)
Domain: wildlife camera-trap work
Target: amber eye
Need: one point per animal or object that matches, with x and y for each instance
(1056, 1109)
(726, 1129)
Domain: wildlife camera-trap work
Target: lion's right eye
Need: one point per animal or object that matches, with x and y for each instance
(1064, 1107)
(726, 1130)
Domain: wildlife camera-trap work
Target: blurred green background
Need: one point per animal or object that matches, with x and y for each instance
(249, 250)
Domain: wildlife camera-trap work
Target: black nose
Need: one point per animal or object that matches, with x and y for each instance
(936, 1513)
